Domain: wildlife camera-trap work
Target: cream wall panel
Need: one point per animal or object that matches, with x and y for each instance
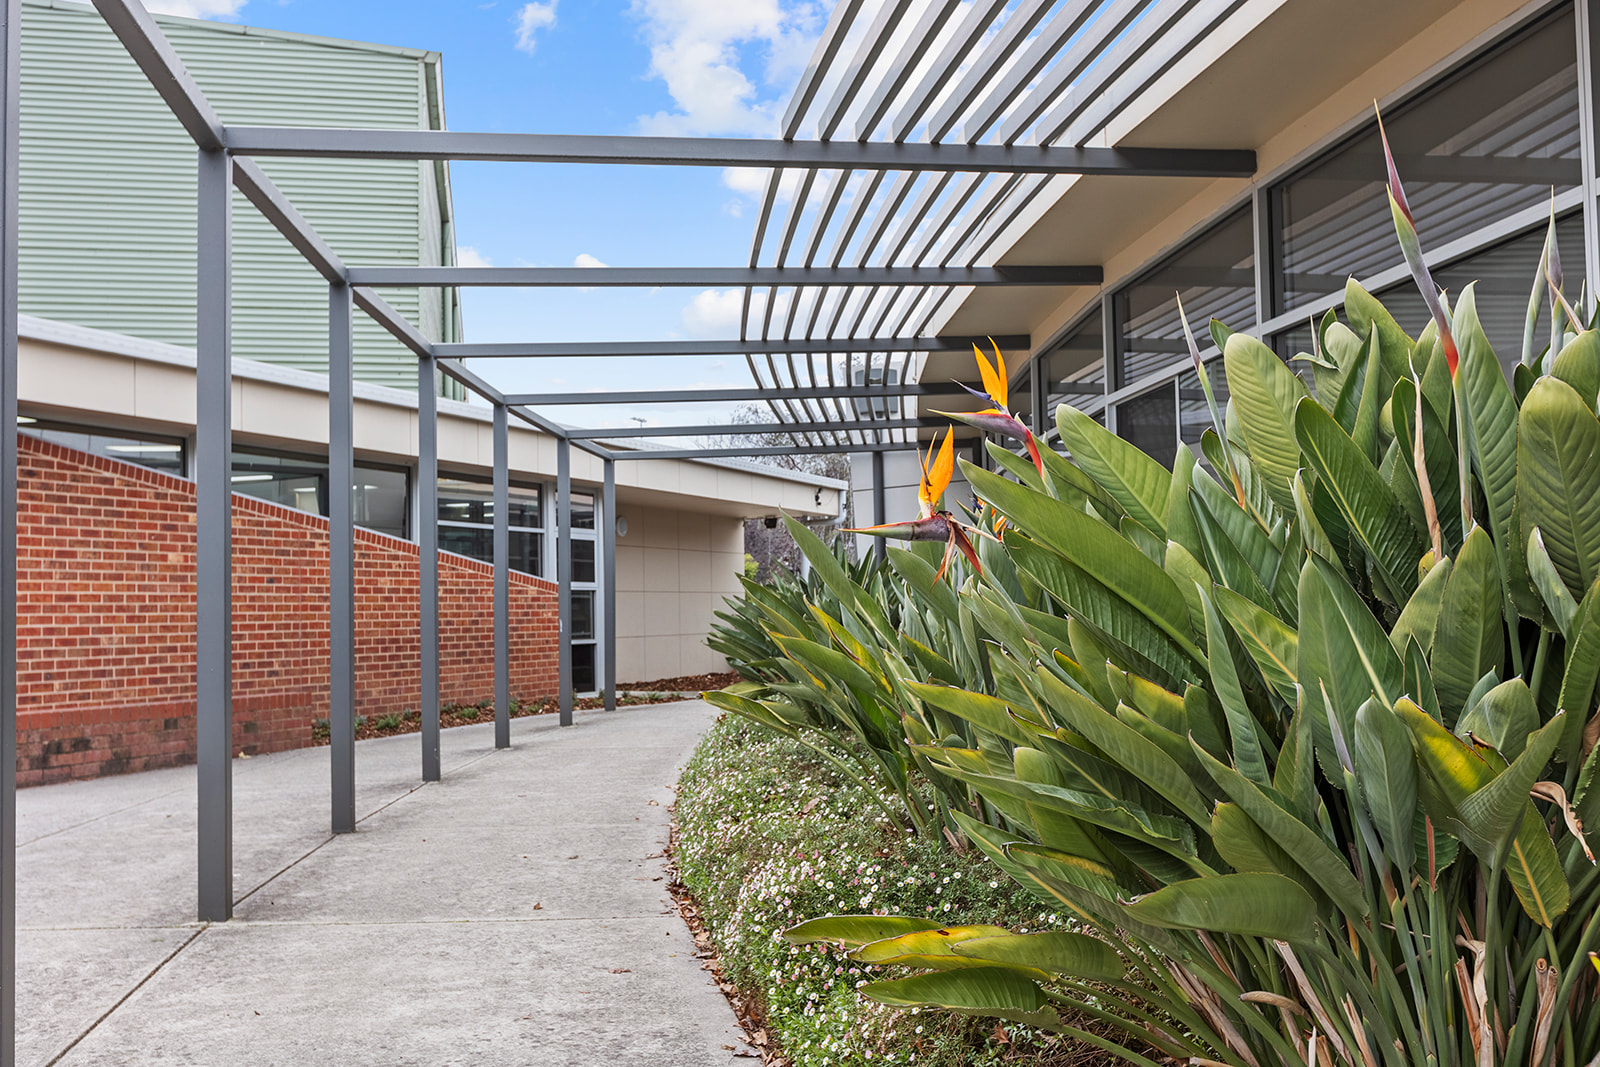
(661, 566)
(630, 566)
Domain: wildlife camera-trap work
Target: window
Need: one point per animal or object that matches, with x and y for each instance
(466, 522)
(1076, 367)
(1149, 422)
(380, 494)
(164, 454)
(1489, 140)
(1504, 276)
(1214, 274)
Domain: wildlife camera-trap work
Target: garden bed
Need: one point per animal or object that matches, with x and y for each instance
(767, 835)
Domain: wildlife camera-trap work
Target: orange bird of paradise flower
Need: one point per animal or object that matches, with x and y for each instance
(996, 419)
(933, 523)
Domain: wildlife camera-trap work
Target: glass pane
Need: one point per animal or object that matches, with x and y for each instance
(1504, 275)
(294, 482)
(583, 674)
(1020, 395)
(583, 511)
(461, 500)
(477, 542)
(1193, 410)
(1149, 421)
(380, 501)
(582, 613)
(162, 454)
(1076, 366)
(582, 561)
(1215, 274)
(1489, 141)
(301, 482)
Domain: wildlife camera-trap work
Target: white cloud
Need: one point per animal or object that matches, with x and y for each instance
(530, 19)
(714, 313)
(467, 256)
(699, 48)
(196, 9)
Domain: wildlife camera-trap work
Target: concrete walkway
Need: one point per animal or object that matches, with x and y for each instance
(515, 913)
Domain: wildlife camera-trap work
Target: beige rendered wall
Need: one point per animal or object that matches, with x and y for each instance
(674, 567)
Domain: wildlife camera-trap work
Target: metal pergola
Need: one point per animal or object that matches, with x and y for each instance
(925, 254)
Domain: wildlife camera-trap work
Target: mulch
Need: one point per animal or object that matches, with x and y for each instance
(688, 683)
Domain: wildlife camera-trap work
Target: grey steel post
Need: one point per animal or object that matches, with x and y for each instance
(428, 560)
(880, 547)
(502, 582)
(214, 536)
(341, 558)
(9, 62)
(564, 577)
(1588, 34)
(608, 582)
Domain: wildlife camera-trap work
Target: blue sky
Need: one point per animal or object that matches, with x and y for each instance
(683, 67)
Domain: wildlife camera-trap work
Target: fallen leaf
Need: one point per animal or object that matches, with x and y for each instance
(620, 970)
(653, 803)
(759, 1037)
(538, 906)
(811, 805)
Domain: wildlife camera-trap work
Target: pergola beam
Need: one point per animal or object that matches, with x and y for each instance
(738, 152)
(721, 277)
(733, 429)
(742, 453)
(817, 392)
(776, 347)
(252, 181)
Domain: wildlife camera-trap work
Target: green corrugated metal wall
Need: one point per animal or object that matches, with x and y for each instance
(107, 235)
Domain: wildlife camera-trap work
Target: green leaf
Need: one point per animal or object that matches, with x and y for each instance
(1254, 904)
(1059, 952)
(1264, 393)
(1551, 586)
(1368, 315)
(855, 929)
(1304, 845)
(1246, 746)
(1180, 523)
(1095, 605)
(1581, 671)
(1125, 746)
(996, 991)
(990, 713)
(1093, 546)
(1493, 418)
(1558, 479)
(1134, 480)
(1420, 616)
(916, 946)
(1384, 763)
(1247, 849)
(1469, 639)
(1504, 717)
(1345, 649)
(1578, 364)
(1366, 502)
(1274, 646)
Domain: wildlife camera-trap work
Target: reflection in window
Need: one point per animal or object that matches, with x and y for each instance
(582, 614)
(1076, 367)
(1214, 273)
(1490, 140)
(157, 453)
(1504, 276)
(582, 511)
(478, 543)
(466, 522)
(379, 494)
(583, 672)
(1149, 422)
(582, 560)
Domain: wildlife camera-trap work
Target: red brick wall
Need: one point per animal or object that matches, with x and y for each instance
(105, 621)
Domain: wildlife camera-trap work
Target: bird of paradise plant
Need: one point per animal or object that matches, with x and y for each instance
(933, 523)
(996, 419)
